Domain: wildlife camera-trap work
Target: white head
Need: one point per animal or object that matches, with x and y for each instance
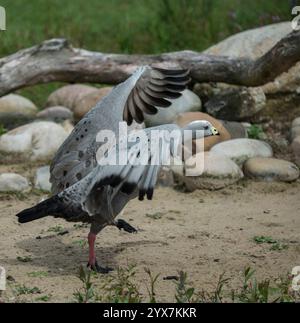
(204, 127)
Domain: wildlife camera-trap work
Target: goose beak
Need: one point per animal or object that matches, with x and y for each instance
(214, 131)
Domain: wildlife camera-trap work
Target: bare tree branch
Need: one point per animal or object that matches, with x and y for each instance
(57, 60)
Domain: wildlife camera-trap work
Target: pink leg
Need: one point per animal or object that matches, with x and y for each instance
(92, 255)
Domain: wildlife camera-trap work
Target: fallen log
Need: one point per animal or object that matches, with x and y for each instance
(56, 60)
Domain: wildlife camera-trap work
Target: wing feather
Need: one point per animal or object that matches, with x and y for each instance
(153, 89)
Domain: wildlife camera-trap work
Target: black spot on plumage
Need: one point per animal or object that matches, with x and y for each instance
(67, 185)
(88, 163)
(79, 176)
(80, 153)
(65, 173)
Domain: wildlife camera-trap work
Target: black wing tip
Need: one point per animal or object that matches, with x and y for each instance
(172, 82)
(142, 193)
(150, 193)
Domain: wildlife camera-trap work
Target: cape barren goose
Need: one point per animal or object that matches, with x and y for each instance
(88, 191)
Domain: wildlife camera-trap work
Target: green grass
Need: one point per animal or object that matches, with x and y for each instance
(131, 26)
(120, 287)
(24, 290)
(275, 244)
(37, 274)
(264, 239)
(255, 132)
(134, 26)
(24, 259)
(2, 130)
(44, 298)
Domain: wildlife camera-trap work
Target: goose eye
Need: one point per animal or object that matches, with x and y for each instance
(205, 127)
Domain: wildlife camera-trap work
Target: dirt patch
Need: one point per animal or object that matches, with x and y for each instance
(202, 233)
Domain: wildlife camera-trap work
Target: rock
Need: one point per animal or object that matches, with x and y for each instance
(295, 132)
(42, 179)
(271, 169)
(165, 177)
(36, 141)
(188, 102)
(16, 110)
(235, 129)
(239, 150)
(68, 126)
(68, 95)
(251, 43)
(296, 122)
(296, 149)
(56, 114)
(14, 103)
(185, 118)
(237, 103)
(213, 172)
(283, 93)
(11, 182)
(87, 102)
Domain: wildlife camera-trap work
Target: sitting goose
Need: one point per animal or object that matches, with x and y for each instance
(84, 189)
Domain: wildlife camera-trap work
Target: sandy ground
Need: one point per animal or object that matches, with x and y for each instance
(203, 233)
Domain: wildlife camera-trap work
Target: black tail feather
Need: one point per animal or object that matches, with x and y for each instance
(41, 210)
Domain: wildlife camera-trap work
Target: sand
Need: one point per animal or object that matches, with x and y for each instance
(204, 233)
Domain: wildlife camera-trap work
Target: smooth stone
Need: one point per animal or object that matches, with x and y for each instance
(208, 142)
(271, 169)
(87, 102)
(36, 141)
(42, 179)
(235, 129)
(295, 132)
(56, 114)
(296, 122)
(11, 182)
(69, 95)
(16, 110)
(188, 102)
(253, 44)
(68, 126)
(239, 150)
(212, 172)
(14, 103)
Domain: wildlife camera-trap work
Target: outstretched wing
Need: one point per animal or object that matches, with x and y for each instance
(146, 88)
(153, 89)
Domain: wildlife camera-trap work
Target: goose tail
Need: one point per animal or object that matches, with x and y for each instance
(41, 210)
